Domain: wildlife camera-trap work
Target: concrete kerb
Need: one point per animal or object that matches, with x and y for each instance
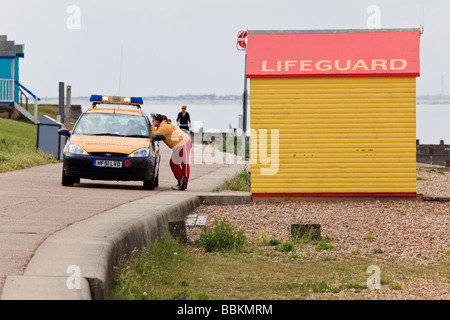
(95, 245)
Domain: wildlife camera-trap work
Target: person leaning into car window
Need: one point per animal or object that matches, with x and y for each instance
(181, 145)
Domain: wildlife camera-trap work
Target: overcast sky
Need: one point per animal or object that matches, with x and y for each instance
(174, 47)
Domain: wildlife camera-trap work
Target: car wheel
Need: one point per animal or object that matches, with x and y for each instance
(157, 180)
(66, 180)
(149, 184)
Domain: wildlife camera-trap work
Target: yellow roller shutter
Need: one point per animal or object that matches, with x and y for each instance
(334, 135)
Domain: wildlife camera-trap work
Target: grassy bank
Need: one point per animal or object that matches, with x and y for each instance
(169, 270)
(238, 183)
(18, 146)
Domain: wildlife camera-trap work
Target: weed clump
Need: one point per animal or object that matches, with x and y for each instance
(286, 247)
(222, 237)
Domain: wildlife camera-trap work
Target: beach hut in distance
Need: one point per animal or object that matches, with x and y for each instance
(11, 89)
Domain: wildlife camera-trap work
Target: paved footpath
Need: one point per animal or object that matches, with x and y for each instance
(35, 207)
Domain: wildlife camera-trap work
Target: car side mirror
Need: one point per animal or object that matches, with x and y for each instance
(158, 137)
(64, 132)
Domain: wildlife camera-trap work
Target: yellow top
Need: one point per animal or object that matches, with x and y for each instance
(174, 135)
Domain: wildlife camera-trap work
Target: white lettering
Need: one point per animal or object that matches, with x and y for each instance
(403, 64)
(274, 159)
(379, 63)
(73, 22)
(74, 280)
(194, 310)
(374, 281)
(374, 20)
(246, 309)
(323, 65)
(288, 64)
(305, 65)
(264, 67)
(338, 67)
(360, 64)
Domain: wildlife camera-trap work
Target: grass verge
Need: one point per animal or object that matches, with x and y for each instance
(238, 183)
(18, 146)
(168, 270)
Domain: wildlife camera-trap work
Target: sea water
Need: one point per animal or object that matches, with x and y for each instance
(433, 123)
(211, 116)
(432, 120)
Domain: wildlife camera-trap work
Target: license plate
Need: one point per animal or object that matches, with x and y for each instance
(107, 163)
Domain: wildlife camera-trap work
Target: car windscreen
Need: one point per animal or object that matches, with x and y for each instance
(112, 124)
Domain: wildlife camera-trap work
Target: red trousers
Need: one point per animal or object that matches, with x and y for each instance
(179, 161)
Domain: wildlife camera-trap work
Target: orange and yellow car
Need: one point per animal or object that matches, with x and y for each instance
(110, 141)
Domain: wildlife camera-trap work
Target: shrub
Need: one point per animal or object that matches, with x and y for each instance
(238, 183)
(203, 296)
(303, 234)
(179, 295)
(222, 237)
(274, 242)
(286, 247)
(262, 239)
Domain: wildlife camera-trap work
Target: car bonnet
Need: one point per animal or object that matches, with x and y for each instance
(124, 145)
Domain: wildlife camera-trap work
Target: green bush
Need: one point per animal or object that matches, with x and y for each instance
(238, 183)
(286, 247)
(274, 242)
(222, 237)
(179, 295)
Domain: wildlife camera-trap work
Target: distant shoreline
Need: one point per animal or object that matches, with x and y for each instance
(213, 99)
(166, 99)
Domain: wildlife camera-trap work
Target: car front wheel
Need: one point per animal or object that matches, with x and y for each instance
(157, 180)
(149, 184)
(152, 184)
(66, 180)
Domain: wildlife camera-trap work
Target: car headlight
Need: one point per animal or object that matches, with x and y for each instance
(142, 153)
(73, 148)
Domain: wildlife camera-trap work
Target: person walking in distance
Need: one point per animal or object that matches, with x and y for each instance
(181, 145)
(184, 120)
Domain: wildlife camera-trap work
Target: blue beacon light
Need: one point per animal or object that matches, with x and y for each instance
(96, 98)
(116, 100)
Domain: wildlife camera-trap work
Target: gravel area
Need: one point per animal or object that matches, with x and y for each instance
(437, 181)
(400, 231)
(404, 229)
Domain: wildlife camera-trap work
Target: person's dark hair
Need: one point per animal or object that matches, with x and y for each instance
(161, 117)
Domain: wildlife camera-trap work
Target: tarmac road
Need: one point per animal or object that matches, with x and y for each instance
(34, 205)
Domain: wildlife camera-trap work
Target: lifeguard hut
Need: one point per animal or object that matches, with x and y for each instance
(12, 92)
(338, 110)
